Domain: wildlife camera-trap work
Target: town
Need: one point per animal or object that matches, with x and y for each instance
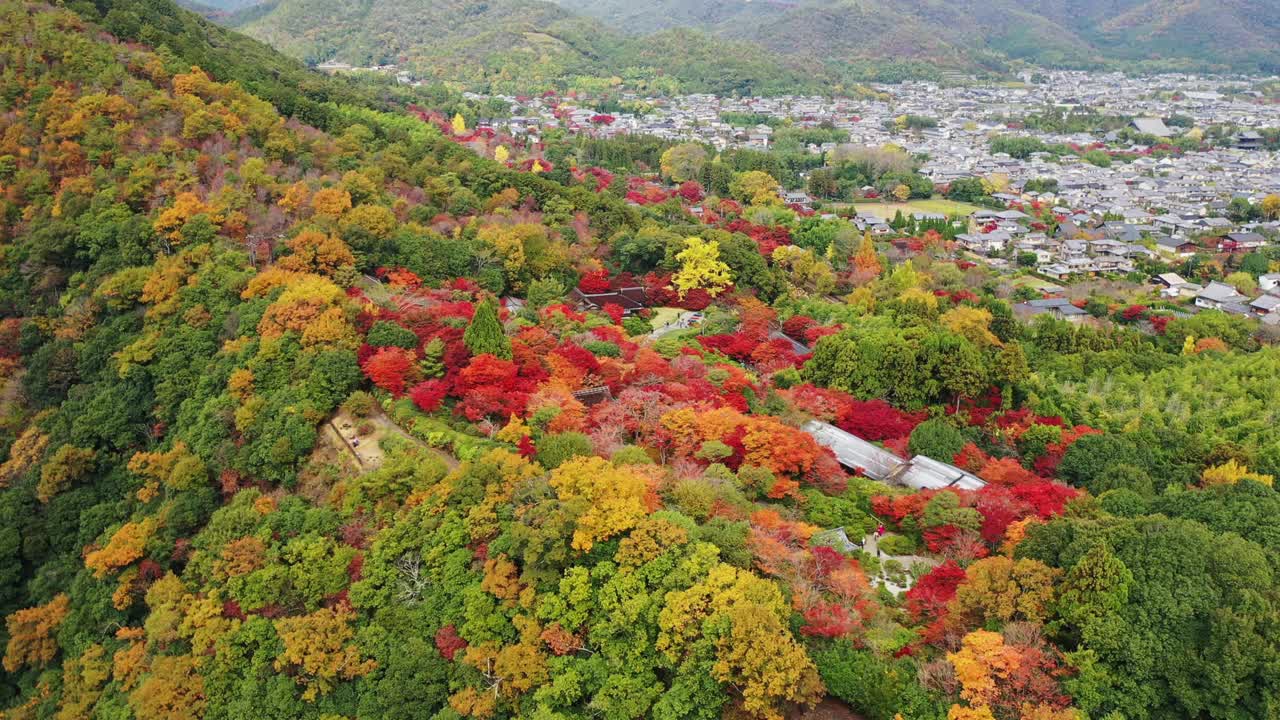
(1063, 221)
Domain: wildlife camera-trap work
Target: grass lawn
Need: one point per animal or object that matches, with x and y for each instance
(664, 315)
(932, 205)
(1033, 282)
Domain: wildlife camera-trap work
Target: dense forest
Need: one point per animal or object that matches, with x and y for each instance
(300, 420)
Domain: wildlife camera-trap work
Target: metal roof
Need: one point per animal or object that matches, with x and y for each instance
(921, 473)
(854, 452)
(925, 473)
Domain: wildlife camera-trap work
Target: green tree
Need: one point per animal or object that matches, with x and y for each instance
(936, 439)
(683, 162)
(432, 363)
(485, 334)
(1093, 592)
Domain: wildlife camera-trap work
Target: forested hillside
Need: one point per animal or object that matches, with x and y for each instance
(964, 35)
(509, 45)
(301, 420)
(730, 46)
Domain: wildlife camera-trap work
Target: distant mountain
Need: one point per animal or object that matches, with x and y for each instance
(1241, 34)
(505, 42)
(760, 46)
(215, 8)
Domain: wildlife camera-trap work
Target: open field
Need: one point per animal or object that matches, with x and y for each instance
(932, 205)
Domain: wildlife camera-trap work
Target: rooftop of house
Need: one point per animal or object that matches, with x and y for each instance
(1152, 126)
(1219, 292)
(1266, 303)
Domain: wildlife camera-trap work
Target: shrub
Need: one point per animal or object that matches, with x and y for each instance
(876, 687)
(389, 334)
(694, 497)
(1123, 477)
(635, 325)
(553, 450)
(358, 404)
(787, 377)
(713, 450)
(602, 348)
(897, 545)
(631, 455)
(1091, 456)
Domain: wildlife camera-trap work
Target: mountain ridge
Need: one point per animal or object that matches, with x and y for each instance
(1222, 32)
(506, 42)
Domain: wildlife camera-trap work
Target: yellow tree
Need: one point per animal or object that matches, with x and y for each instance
(1270, 207)
(311, 306)
(319, 253)
(68, 464)
(173, 691)
(683, 162)
(459, 124)
(995, 182)
(1232, 472)
(177, 469)
(982, 660)
(755, 187)
(919, 302)
(609, 500)
(1001, 589)
(743, 618)
(294, 197)
(960, 712)
(125, 546)
(701, 267)
(971, 323)
(186, 206)
(25, 452)
(331, 202)
(82, 681)
(319, 649)
(373, 220)
(806, 270)
(31, 640)
(501, 154)
(865, 261)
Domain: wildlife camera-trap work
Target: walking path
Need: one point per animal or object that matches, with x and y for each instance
(680, 322)
(871, 544)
